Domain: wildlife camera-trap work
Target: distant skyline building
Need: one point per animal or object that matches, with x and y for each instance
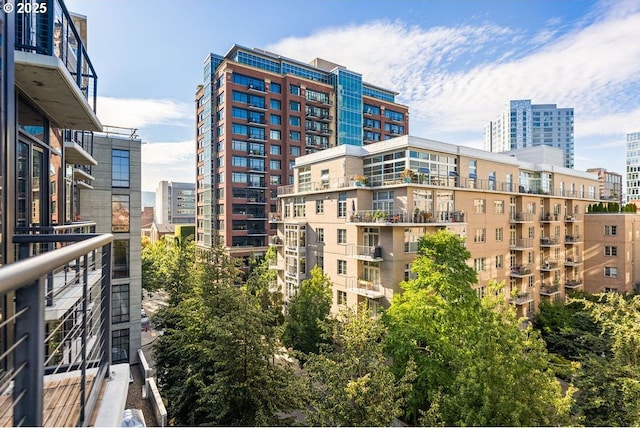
(610, 184)
(633, 166)
(256, 112)
(523, 125)
(175, 203)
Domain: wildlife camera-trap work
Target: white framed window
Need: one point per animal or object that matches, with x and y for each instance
(342, 267)
(479, 206)
(481, 235)
(610, 230)
(499, 234)
(480, 264)
(342, 236)
(611, 272)
(610, 251)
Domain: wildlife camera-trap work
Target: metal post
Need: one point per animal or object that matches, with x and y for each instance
(83, 342)
(28, 409)
(105, 305)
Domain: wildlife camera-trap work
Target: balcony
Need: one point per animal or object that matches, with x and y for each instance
(549, 290)
(521, 271)
(402, 217)
(522, 298)
(573, 283)
(366, 288)
(275, 217)
(521, 218)
(573, 261)
(549, 241)
(549, 217)
(572, 239)
(521, 244)
(549, 265)
(275, 241)
(572, 218)
(67, 368)
(53, 69)
(366, 252)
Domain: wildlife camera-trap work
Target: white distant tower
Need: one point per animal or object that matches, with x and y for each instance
(633, 166)
(527, 125)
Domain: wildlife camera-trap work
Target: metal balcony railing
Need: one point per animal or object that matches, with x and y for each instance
(401, 216)
(71, 360)
(54, 34)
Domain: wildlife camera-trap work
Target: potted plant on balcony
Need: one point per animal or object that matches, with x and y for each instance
(380, 216)
(407, 175)
(360, 180)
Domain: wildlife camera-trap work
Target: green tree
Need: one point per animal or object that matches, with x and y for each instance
(474, 364)
(217, 359)
(306, 312)
(350, 382)
(262, 282)
(609, 383)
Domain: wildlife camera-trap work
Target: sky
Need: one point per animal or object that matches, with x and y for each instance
(455, 63)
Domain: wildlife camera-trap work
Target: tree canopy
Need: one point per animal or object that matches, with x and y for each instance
(474, 365)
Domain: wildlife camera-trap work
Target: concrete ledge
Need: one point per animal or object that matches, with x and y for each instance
(114, 399)
(145, 370)
(156, 402)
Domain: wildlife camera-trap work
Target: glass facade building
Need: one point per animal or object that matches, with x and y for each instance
(256, 112)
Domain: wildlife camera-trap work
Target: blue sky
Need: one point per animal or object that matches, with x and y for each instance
(456, 63)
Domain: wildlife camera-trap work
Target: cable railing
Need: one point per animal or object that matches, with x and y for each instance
(55, 360)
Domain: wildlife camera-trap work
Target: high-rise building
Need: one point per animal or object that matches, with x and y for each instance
(633, 166)
(610, 184)
(55, 270)
(524, 124)
(256, 112)
(116, 185)
(175, 203)
(358, 213)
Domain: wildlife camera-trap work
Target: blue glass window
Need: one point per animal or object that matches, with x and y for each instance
(275, 119)
(276, 105)
(119, 168)
(276, 88)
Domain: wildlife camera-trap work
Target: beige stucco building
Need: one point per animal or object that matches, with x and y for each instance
(612, 242)
(354, 212)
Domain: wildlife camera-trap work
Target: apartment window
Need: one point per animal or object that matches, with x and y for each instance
(342, 267)
(275, 119)
(275, 164)
(276, 105)
(499, 234)
(119, 303)
(275, 149)
(611, 272)
(320, 262)
(481, 235)
(119, 213)
(499, 262)
(294, 106)
(294, 89)
(275, 179)
(480, 264)
(294, 150)
(611, 251)
(498, 207)
(276, 88)
(479, 206)
(532, 232)
(294, 120)
(342, 236)
(320, 206)
(274, 134)
(120, 346)
(121, 258)
(294, 135)
(342, 204)
(119, 168)
(342, 297)
(610, 230)
(320, 233)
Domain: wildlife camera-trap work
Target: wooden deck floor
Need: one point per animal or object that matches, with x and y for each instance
(61, 403)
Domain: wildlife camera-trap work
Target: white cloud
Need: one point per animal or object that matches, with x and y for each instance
(167, 161)
(456, 79)
(138, 113)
